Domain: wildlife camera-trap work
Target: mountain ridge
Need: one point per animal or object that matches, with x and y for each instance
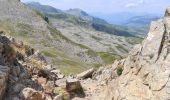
(144, 74)
(96, 23)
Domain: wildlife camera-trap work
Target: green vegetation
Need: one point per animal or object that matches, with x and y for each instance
(49, 54)
(96, 38)
(108, 58)
(8, 50)
(134, 40)
(63, 92)
(121, 48)
(66, 64)
(70, 66)
(42, 15)
(28, 50)
(59, 35)
(119, 71)
(97, 65)
(39, 13)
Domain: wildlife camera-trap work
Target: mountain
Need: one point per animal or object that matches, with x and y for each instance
(120, 18)
(29, 26)
(145, 71)
(116, 18)
(138, 23)
(144, 74)
(47, 8)
(80, 28)
(141, 21)
(80, 17)
(81, 14)
(26, 72)
(65, 40)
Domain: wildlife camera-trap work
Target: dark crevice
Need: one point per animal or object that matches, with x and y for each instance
(162, 42)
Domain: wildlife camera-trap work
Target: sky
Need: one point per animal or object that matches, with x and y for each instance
(109, 6)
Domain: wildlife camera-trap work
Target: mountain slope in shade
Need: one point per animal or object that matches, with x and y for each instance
(77, 16)
(141, 21)
(138, 23)
(47, 8)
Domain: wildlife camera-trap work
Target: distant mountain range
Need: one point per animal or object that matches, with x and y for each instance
(122, 18)
(140, 21)
(77, 16)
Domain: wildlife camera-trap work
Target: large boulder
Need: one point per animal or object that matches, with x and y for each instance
(73, 85)
(167, 13)
(4, 72)
(86, 74)
(31, 94)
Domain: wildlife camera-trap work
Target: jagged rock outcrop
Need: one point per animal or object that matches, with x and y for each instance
(4, 71)
(143, 75)
(25, 73)
(146, 71)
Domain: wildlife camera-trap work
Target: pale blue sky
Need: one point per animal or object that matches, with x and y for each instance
(109, 6)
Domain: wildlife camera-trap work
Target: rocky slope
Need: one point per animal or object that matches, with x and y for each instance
(65, 46)
(24, 24)
(144, 74)
(80, 27)
(26, 75)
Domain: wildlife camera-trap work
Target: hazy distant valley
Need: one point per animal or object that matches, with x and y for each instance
(68, 39)
(103, 41)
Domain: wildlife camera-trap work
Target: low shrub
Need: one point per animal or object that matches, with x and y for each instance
(119, 71)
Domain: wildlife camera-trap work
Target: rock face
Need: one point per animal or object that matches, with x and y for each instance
(26, 76)
(31, 94)
(146, 71)
(86, 74)
(4, 71)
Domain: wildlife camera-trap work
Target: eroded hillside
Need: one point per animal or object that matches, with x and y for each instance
(27, 25)
(108, 41)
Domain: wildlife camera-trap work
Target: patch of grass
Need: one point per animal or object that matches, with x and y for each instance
(69, 66)
(97, 65)
(45, 43)
(24, 26)
(66, 64)
(96, 38)
(134, 40)
(59, 35)
(62, 91)
(15, 29)
(108, 58)
(121, 48)
(37, 64)
(50, 52)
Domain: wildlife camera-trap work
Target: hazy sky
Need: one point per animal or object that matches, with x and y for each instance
(109, 6)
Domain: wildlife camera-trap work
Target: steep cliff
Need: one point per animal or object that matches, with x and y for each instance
(146, 70)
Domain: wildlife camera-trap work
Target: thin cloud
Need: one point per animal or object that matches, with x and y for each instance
(135, 4)
(109, 6)
(130, 5)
